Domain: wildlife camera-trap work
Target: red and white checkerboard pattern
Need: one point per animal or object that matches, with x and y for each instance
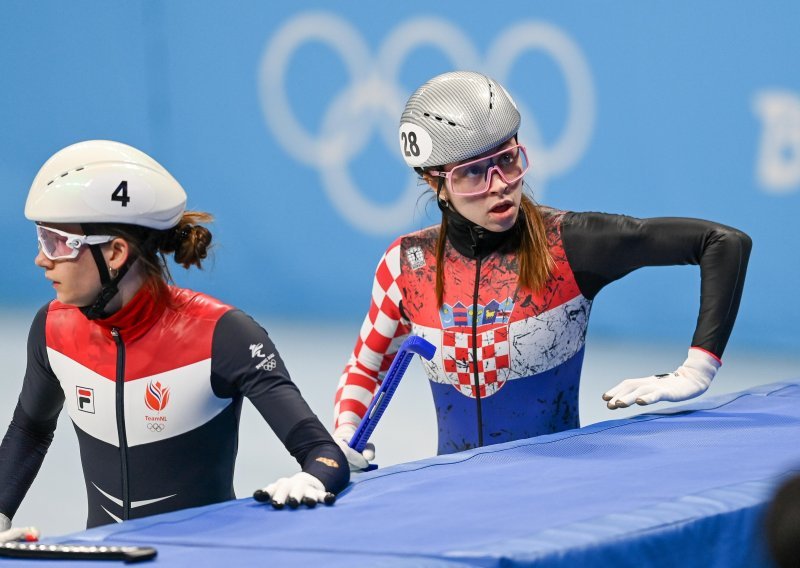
(492, 354)
(382, 333)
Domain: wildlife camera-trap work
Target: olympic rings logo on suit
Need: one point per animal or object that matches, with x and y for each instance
(374, 99)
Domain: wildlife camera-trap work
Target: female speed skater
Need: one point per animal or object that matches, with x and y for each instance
(503, 286)
(152, 375)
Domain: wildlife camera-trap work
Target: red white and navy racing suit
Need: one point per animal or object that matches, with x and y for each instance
(155, 393)
(524, 348)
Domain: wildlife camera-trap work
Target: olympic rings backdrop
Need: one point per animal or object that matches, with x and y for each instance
(282, 121)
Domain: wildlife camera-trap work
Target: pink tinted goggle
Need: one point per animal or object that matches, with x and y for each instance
(475, 177)
(60, 245)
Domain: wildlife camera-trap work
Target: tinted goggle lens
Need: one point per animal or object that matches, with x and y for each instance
(472, 178)
(59, 245)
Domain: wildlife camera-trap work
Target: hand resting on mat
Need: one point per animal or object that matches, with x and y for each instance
(300, 489)
(688, 381)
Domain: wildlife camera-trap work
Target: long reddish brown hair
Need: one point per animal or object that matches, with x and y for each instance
(534, 258)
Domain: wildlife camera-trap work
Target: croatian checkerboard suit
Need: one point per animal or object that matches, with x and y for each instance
(523, 348)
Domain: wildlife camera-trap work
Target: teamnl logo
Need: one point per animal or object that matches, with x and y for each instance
(373, 100)
(156, 398)
(778, 161)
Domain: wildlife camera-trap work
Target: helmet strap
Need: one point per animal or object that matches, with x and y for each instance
(444, 206)
(110, 286)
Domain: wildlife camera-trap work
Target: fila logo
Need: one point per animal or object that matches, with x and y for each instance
(85, 397)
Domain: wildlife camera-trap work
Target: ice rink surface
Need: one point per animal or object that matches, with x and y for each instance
(315, 354)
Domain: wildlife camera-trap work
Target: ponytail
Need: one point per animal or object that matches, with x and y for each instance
(188, 240)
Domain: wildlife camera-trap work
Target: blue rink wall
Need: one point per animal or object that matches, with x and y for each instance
(281, 120)
(56, 502)
(622, 493)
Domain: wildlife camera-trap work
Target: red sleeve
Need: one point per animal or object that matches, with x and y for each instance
(382, 333)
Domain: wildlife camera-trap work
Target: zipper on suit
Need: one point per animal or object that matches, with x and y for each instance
(123, 439)
(477, 235)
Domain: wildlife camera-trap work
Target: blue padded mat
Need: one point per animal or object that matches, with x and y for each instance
(685, 487)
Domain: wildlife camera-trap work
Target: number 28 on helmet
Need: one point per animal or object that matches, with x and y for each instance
(456, 116)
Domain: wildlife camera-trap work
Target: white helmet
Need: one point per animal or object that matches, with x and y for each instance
(456, 116)
(99, 181)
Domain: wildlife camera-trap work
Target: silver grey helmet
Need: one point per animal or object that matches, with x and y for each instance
(456, 116)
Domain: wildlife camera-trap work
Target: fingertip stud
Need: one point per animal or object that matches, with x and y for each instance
(261, 496)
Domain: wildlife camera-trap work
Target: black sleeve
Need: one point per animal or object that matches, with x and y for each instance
(602, 248)
(244, 360)
(31, 430)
